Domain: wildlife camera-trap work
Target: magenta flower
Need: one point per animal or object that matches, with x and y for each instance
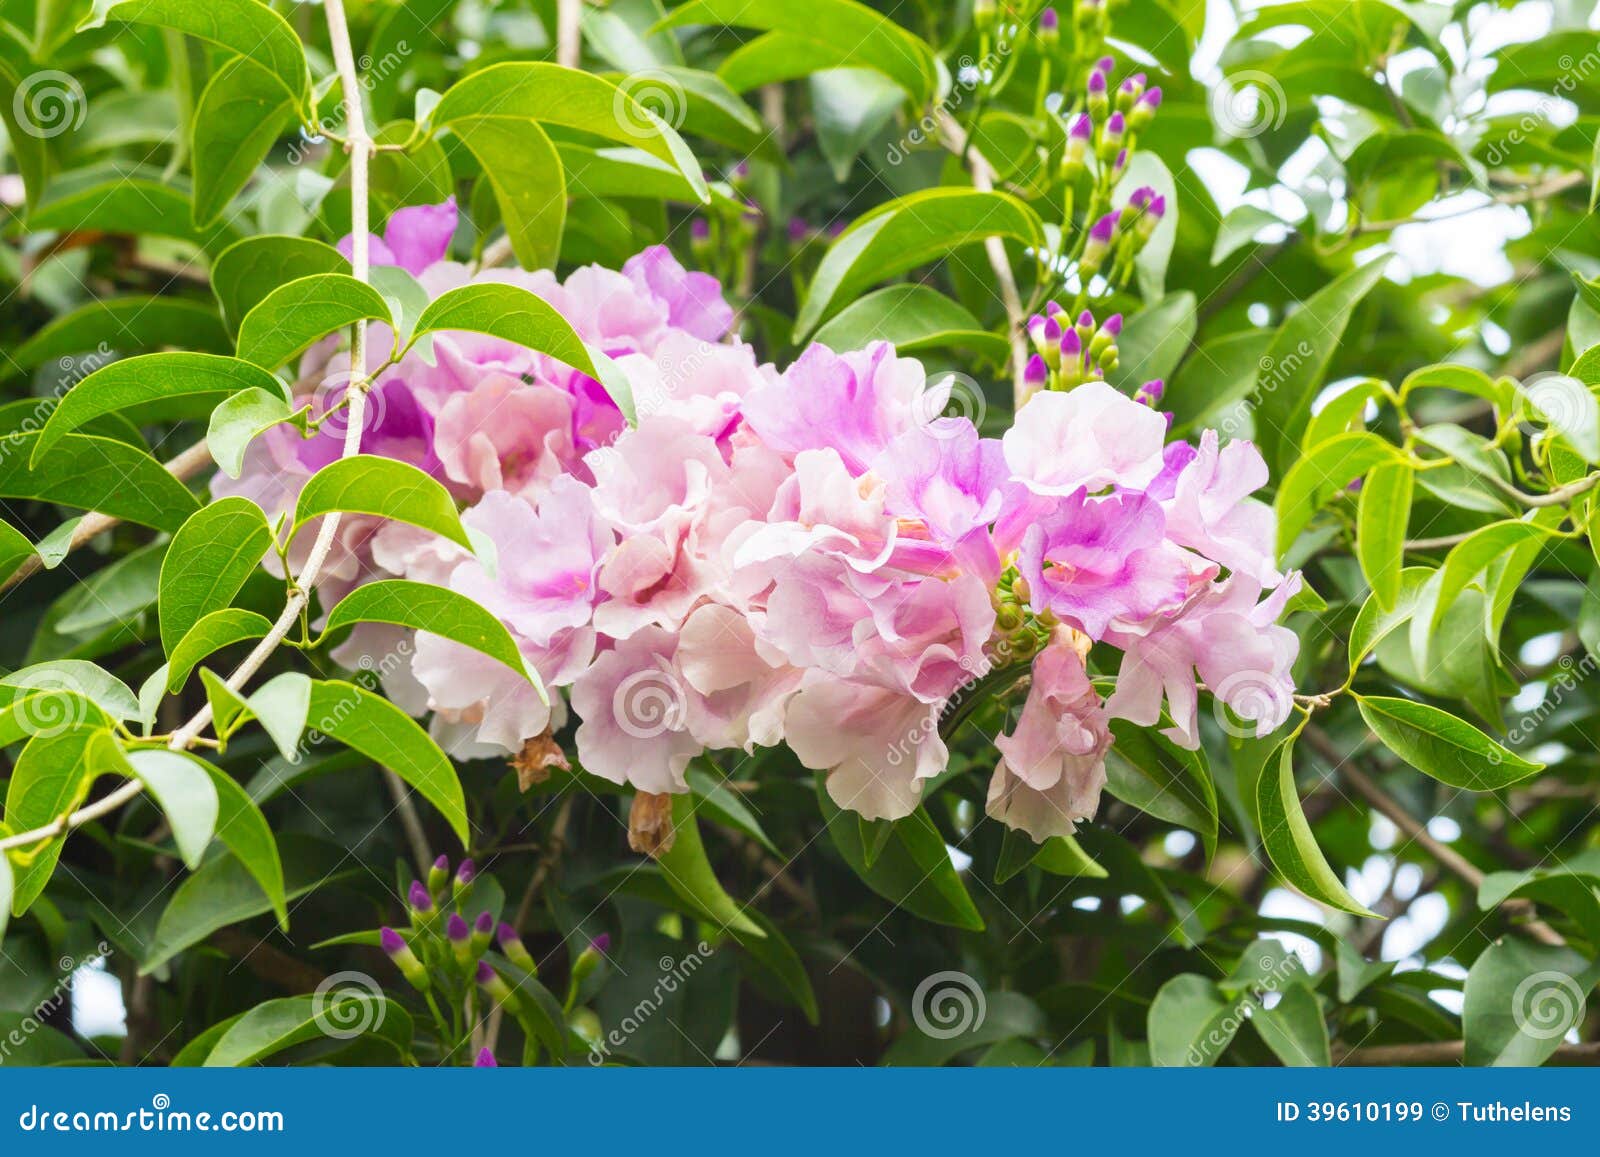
(414, 239)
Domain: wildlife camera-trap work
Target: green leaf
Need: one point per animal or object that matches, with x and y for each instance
(1383, 515)
(819, 35)
(1568, 404)
(1436, 742)
(510, 313)
(907, 232)
(722, 805)
(913, 318)
(1298, 358)
(1373, 624)
(389, 737)
(294, 316)
(240, 420)
(244, 831)
(81, 678)
(224, 891)
(179, 785)
(498, 111)
(150, 379)
(1238, 229)
(1154, 341)
(687, 869)
(343, 1012)
(210, 633)
(113, 595)
(1191, 1023)
(128, 324)
(1571, 887)
(281, 706)
(773, 952)
(1294, 1029)
(384, 488)
(229, 711)
(8, 886)
(1059, 855)
(124, 201)
(1155, 775)
(1286, 835)
(242, 113)
(211, 556)
(437, 610)
(1344, 413)
(245, 272)
(913, 870)
(32, 152)
(1520, 1000)
(95, 473)
(244, 27)
(1324, 473)
(51, 777)
(1466, 561)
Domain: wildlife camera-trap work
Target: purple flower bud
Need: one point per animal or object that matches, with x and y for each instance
(484, 924)
(798, 230)
(1052, 331)
(1036, 330)
(442, 864)
(456, 928)
(1141, 196)
(1086, 320)
(1071, 344)
(1158, 208)
(418, 898)
(601, 943)
(1083, 127)
(1103, 229)
(466, 873)
(1117, 126)
(484, 974)
(485, 1060)
(1049, 22)
(1097, 83)
(505, 934)
(1106, 63)
(1150, 393)
(391, 941)
(1120, 163)
(1151, 99)
(1051, 308)
(1113, 325)
(741, 171)
(699, 230)
(1035, 373)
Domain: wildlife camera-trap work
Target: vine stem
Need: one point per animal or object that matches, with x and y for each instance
(359, 144)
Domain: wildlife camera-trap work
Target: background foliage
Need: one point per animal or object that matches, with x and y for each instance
(1434, 799)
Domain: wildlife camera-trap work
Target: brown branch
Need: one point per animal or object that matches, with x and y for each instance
(1450, 1052)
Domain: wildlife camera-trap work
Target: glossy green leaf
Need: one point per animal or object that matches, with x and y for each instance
(130, 324)
(1521, 1000)
(211, 633)
(913, 318)
(1324, 473)
(178, 784)
(384, 488)
(1383, 515)
(1191, 1023)
(294, 316)
(437, 610)
(152, 378)
(246, 272)
(1287, 836)
(95, 473)
(240, 420)
(510, 313)
(1436, 742)
(210, 558)
(389, 737)
(691, 876)
(241, 114)
(51, 778)
(908, 232)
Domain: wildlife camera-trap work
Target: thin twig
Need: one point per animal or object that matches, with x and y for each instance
(409, 820)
